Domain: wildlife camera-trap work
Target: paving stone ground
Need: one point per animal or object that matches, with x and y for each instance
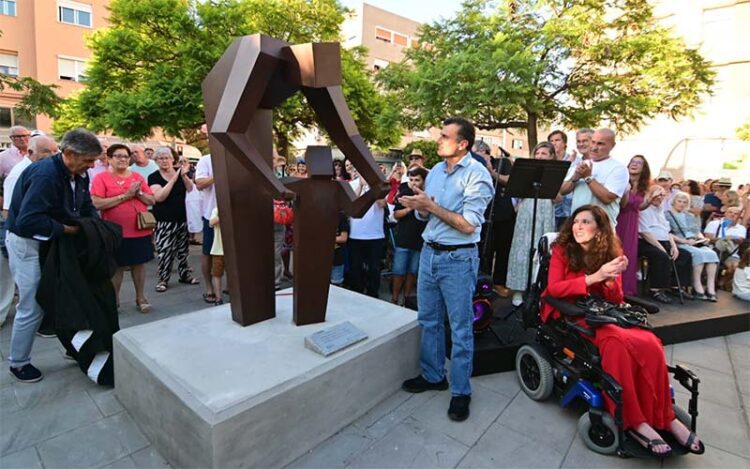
(66, 421)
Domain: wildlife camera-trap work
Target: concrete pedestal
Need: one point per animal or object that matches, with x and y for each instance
(210, 393)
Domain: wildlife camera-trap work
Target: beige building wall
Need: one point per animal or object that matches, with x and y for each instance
(387, 36)
(41, 40)
(706, 145)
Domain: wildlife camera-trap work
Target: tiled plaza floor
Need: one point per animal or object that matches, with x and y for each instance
(66, 421)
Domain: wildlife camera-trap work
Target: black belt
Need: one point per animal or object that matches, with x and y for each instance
(450, 247)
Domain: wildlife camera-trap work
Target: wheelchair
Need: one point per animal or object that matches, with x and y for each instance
(561, 362)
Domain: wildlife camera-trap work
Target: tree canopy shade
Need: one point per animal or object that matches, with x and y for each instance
(147, 67)
(37, 97)
(576, 63)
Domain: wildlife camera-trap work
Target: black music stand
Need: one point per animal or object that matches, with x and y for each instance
(537, 179)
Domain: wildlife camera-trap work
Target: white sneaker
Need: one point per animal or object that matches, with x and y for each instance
(517, 298)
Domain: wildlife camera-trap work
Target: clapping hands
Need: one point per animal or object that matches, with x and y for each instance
(133, 190)
(613, 268)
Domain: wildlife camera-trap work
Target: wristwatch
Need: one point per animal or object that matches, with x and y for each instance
(588, 179)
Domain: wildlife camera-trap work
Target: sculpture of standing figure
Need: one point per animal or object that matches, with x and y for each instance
(256, 74)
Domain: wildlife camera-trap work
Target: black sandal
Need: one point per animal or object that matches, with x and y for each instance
(689, 445)
(189, 281)
(209, 298)
(651, 444)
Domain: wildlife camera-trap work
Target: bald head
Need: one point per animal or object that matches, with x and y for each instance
(139, 154)
(41, 147)
(602, 143)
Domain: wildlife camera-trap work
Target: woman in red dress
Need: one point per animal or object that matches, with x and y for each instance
(587, 260)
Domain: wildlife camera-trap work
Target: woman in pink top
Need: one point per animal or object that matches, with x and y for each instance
(120, 195)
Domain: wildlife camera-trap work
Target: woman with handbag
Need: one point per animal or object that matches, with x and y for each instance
(123, 197)
(685, 228)
(171, 185)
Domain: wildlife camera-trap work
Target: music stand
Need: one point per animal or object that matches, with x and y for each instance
(537, 179)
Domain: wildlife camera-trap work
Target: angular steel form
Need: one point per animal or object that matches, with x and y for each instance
(256, 74)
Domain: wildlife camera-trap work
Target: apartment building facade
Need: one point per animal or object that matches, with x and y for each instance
(45, 40)
(387, 36)
(704, 145)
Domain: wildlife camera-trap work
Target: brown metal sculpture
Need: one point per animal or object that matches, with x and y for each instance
(256, 74)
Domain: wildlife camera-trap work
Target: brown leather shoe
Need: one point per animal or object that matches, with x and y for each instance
(502, 290)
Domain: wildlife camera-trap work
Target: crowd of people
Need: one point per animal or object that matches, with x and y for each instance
(430, 236)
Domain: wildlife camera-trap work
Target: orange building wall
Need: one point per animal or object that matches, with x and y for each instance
(39, 38)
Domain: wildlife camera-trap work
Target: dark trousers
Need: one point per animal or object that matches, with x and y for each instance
(660, 273)
(366, 254)
(495, 258)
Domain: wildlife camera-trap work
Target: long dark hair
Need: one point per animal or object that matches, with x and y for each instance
(644, 179)
(344, 175)
(604, 247)
(695, 188)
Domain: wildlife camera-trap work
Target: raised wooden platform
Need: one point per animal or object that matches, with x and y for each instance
(696, 320)
(692, 320)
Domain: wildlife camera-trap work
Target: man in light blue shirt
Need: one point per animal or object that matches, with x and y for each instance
(453, 203)
(142, 165)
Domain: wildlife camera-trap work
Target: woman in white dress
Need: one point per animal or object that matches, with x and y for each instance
(518, 261)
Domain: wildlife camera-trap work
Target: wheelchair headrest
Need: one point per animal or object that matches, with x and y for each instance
(545, 244)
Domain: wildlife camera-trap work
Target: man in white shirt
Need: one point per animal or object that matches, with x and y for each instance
(39, 147)
(665, 259)
(665, 181)
(600, 180)
(204, 181)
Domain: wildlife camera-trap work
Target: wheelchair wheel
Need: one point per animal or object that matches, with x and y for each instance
(534, 373)
(599, 438)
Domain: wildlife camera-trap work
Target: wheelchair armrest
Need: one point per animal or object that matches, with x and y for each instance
(651, 308)
(580, 329)
(685, 377)
(565, 308)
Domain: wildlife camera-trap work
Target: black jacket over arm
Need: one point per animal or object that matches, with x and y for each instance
(76, 287)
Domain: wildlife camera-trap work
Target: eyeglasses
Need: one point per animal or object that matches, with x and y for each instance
(120, 156)
(21, 136)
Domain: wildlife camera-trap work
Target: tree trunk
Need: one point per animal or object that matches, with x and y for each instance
(531, 132)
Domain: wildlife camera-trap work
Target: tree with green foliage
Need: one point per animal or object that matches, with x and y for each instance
(525, 63)
(147, 67)
(428, 149)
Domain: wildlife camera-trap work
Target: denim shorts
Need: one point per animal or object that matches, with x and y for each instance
(405, 260)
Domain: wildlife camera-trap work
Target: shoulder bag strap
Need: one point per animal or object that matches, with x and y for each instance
(677, 223)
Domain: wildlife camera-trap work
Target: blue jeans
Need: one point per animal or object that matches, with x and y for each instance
(405, 261)
(337, 274)
(24, 265)
(445, 286)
